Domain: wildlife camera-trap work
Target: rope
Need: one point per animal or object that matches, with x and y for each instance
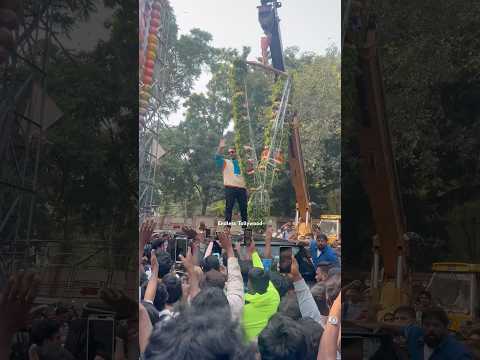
(279, 122)
(251, 135)
(260, 196)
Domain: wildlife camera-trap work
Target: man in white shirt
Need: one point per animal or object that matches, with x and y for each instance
(234, 183)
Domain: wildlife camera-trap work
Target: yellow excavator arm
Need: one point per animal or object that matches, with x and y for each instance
(377, 163)
(297, 173)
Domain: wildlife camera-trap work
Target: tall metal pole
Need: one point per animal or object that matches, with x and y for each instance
(41, 130)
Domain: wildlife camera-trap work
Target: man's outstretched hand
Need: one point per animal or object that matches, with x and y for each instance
(251, 249)
(154, 264)
(146, 231)
(189, 264)
(16, 300)
(269, 232)
(295, 272)
(188, 261)
(226, 242)
(120, 302)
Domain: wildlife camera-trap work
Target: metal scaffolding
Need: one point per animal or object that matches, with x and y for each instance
(150, 150)
(26, 115)
(26, 112)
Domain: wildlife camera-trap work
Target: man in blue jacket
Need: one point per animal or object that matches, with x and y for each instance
(320, 251)
(434, 341)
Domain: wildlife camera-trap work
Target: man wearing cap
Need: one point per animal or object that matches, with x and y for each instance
(233, 181)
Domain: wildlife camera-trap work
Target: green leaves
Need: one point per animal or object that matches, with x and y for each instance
(317, 98)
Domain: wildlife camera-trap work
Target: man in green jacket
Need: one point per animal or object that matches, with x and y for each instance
(262, 299)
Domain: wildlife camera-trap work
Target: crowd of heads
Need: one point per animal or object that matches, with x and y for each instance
(416, 327)
(219, 301)
(33, 330)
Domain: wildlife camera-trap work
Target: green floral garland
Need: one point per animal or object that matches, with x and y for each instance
(238, 77)
(242, 136)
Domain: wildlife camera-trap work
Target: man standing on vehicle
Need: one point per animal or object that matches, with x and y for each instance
(234, 183)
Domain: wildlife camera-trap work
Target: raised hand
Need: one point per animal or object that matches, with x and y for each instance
(294, 271)
(251, 249)
(269, 232)
(188, 261)
(226, 243)
(146, 231)
(189, 264)
(154, 264)
(123, 305)
(16, 301)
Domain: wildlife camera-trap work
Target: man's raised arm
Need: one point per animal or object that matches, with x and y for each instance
(218, 155)
(221, 146)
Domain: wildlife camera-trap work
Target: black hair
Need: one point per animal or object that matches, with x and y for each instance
(283, 339)
(211, 262)
(281, 283)
(210, 298)
(245, 267)
(325, 265)
(198, 335)
(164, 263)
(314, 331)
(155, 244)
(174, 288)
(43, 330)
(406, 310)
(161, 296)
(323, 237)
(320, 296)
(335, 270)
(259, 280)
(333, 287)
(436, 313)
(214, 278)
(289, 307)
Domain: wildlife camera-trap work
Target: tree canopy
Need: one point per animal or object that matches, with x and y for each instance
(431, 67)
(187, 174)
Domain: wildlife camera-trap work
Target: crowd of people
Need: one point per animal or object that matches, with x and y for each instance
(232, 305)
(223, 299)
(418, 331)
(59, 331)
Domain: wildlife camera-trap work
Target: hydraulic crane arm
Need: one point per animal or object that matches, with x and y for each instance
(297, 173)
(269, 21)
(377, 162)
